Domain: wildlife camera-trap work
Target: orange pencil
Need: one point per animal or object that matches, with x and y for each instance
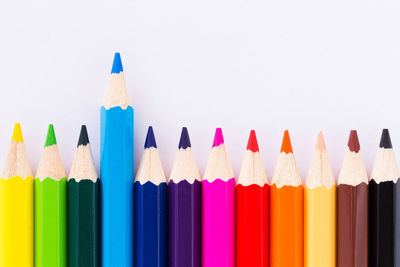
(286, 211)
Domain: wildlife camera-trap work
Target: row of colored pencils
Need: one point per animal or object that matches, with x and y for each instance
(147, 221)
(189, 221)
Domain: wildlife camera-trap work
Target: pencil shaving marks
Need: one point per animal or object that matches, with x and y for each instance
(320, 173)
(17, 162)
(83, 166)
(117, 93)
(184, 167)
(286, 172)
(252, 171)
(150, 168)
(385, 167)
(353, 171)
(218, 166)
(50, 164)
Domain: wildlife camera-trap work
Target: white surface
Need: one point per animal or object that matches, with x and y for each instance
(269, 65)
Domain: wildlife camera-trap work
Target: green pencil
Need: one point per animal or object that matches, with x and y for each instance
(83, 207)
(50, 207)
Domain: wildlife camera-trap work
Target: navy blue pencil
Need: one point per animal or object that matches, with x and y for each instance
(150, 190)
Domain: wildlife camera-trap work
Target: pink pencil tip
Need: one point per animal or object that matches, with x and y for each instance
(320, 142)
(218, 138)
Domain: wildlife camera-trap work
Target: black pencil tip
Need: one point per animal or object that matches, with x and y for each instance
(150, 139)
(185, 139)
(386, 142)
(83, 136)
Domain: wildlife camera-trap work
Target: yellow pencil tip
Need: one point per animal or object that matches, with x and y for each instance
(17, 134)
(320, 142)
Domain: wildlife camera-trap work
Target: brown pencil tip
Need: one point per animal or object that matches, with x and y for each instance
(353, 144)
(320, 142)
(286, 144)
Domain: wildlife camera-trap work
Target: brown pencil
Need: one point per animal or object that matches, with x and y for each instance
(353, 208)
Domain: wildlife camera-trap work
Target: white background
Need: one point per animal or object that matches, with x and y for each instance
(269, 65)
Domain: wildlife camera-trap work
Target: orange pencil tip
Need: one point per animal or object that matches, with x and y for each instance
(286, 144)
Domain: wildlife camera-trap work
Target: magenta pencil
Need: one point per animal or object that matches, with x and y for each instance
(218, 208)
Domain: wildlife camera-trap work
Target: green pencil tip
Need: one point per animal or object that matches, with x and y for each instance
(51, 137)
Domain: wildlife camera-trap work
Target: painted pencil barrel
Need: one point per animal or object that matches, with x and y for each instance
(352, 225)
(381, 223)
(252, 226)
(116, 171)
(286, 226)
(184, 224)
(50, 222)
(218, 223)
(320, 226)
(397, 224)
(83, 223)
(151, 225)
(16, 222)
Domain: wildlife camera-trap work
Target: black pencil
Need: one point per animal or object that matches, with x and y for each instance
(381, 205)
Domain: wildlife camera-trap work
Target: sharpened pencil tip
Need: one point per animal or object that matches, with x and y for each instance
(83, 136)
(386, 142)
(252, 145)
(51, 136)
(286, 144)
(150, 139)
(354, 143)
(320, 142)
(117, 64)
(17, 134)
(184, 142)
(218, 137)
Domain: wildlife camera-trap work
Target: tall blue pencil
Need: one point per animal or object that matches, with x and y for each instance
(150, 208)
(116, 171)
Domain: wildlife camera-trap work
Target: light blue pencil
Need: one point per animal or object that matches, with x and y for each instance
(116, 171)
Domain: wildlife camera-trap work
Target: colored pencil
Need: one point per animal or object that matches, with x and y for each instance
(381, 205)
(50, 207)
(151, 204)
(252, 210)
(218, 207)
(16, 206)
(83, 187)
(116, 171)
(286, 211)
(184, 209)
(320, 210)
(352, 197)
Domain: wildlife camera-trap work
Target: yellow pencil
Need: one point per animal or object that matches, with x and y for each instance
(16, 206)
(320, 211)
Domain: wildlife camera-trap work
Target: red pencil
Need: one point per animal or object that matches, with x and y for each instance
(252, 210)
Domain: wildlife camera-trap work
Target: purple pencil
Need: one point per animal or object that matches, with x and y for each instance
(184, 198)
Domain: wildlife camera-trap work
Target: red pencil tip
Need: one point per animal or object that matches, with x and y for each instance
(353, 144)
(252, 145)
(286, 144)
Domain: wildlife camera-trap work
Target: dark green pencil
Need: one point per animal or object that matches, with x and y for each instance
(83, 208)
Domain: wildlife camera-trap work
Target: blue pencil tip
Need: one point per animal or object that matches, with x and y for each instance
(185, 139)
(150, 139)
(117, 64)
